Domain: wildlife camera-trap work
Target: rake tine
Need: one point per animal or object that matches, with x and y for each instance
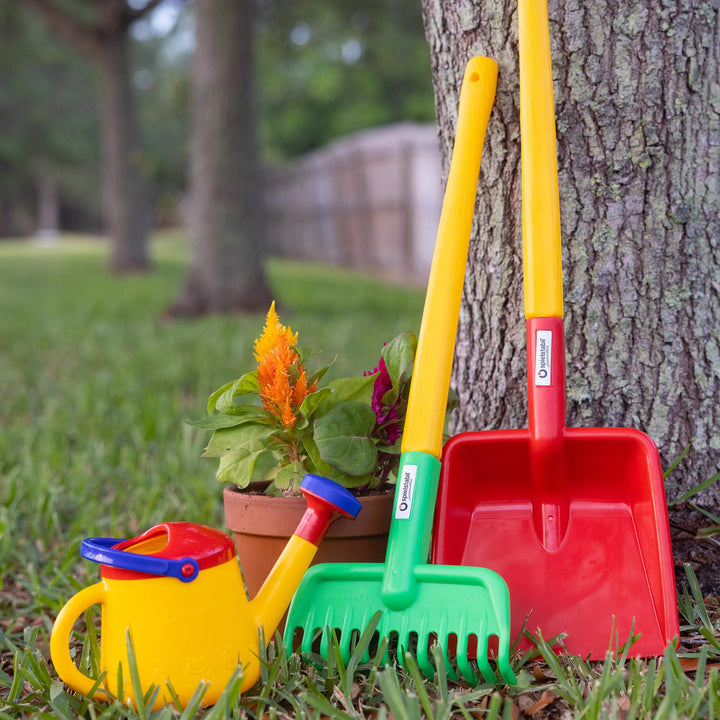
(463, 662)
(346, 635)
(482, 660)
(423, 660)
(307, 640)
(443, 645)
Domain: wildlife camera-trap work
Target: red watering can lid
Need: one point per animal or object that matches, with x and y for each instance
(174, 549)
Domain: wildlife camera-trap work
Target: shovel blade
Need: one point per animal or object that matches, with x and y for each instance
(612, 574)
(465, 611)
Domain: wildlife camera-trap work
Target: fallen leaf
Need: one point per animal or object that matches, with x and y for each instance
(691, 664)
(540, 675)
(547, 698)
(623, 707)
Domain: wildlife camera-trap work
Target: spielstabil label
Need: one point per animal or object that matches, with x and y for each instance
(543, 357)
(406, 485)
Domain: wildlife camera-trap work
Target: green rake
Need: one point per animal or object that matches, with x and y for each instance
(458, 608)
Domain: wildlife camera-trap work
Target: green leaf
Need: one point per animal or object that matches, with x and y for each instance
(453, 401)
(264, 465)
(310, 360)
(342, 437)
(246, 436)
(394, 449)
(342, 390)
(322, 468)
(237, 466)
(212, 400)
(289, 475)
(311, 403)
(399, 356)
(224, 399)
(242, 414)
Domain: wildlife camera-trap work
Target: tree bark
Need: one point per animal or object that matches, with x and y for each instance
(637, 97)
(226, 230)
(125, 192)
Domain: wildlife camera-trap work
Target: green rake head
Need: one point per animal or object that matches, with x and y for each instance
(459, 609)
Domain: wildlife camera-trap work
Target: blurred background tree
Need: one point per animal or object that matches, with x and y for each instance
(101, 33)
(327, 69)
(322, 70)
(48, 149)
(225, 220)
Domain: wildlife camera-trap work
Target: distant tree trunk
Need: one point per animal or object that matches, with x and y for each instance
(637, 95)
(125, 193)
(48, 211)
(226, 229)
(102, 35)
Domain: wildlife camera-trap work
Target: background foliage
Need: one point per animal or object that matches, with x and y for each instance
(324, 70)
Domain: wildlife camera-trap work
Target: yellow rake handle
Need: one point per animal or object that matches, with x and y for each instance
(431, 376)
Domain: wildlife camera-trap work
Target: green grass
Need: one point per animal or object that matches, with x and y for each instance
(94, 390)
(96, 386)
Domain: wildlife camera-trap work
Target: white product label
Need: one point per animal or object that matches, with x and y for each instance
(406, 485)
(543, 357)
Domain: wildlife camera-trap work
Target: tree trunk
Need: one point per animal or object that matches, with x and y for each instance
(637, 97)
(106, 42)
(125, 195)
(48, 207)
(226, 230)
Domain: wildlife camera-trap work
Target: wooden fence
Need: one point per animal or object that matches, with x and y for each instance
(369, 201)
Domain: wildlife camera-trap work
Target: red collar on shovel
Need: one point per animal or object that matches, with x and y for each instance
(574, 519)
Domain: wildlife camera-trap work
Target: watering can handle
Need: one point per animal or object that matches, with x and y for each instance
(60, 641)
(326, 501)
(101, 550)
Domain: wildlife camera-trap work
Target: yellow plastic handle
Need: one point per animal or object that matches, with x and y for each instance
(542, 259)
(60, 640)
(273, 598)
(436, 343)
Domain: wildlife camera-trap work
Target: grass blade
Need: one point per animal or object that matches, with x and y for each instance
(676, 462)
(697, 489)
(698, 597)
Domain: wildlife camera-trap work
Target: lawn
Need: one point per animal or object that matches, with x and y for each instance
(95, 388)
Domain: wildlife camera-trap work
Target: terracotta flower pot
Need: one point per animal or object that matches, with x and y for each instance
(262, 524)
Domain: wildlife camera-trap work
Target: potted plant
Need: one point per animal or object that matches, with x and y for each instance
(279, 421)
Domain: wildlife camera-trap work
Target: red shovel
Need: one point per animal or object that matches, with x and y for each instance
(574, 519)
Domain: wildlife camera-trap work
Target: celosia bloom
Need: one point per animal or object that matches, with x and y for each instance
(384, 414)
(275, 356)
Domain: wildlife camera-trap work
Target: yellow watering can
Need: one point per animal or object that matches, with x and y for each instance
(175, 594)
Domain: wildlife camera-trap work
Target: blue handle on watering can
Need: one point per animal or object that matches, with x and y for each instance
(101, 550)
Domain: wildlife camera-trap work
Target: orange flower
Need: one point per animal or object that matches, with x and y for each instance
(275, 356)
(273, 331)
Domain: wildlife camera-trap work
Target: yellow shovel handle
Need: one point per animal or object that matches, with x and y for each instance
(542, 261)
(436, 343)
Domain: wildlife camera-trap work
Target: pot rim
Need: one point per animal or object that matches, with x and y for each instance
(273, 516)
